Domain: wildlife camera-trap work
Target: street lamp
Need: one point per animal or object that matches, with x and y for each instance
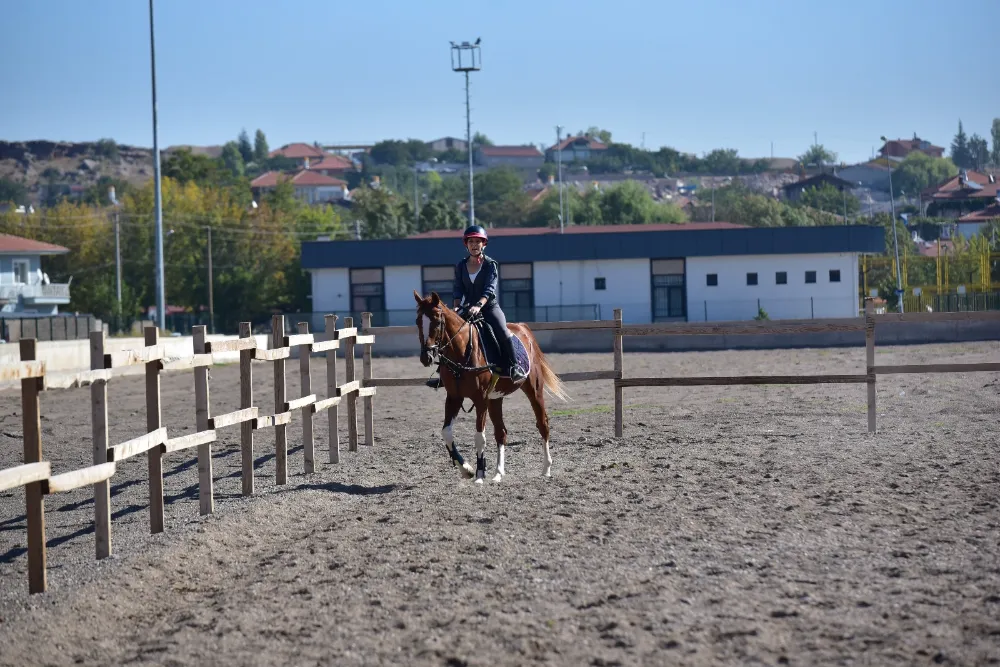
(895, 241)
(161, 307)
(466, 58)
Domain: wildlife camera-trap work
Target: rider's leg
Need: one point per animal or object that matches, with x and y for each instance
(495, 317)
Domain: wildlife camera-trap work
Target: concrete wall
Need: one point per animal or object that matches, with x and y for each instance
(627, 284)
(400, 281)
(331, 290)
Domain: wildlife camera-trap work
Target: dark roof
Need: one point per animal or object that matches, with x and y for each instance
(817, 180)
(16, 245)
(582, 229)
(678, 241)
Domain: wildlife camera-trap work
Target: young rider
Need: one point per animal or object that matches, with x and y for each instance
(477, 280)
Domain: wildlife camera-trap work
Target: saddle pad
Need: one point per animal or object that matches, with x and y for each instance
(489, 346)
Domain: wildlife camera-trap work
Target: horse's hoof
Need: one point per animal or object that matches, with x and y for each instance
(468, 472)
(479, 480)
(497, 477)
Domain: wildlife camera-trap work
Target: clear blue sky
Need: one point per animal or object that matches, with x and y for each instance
(694, 75)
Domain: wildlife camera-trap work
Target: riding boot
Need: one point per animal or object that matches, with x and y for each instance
(516, 374)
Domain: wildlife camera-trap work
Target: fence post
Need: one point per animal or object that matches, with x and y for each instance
(33, 497)
(366, 375)
(280, 434)
(330, 324)
(99, 437)
(202, 413)
(155, 455)
(352, 398)
(308, 446)
(246, 401)
(705, 302)
(870, 360)
(812, 309)
(619, 373)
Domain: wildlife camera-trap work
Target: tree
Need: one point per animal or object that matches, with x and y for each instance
(548, 169)
(995, 153)
(480, 139)
(818, 155)
(960, 149)
(244, 145)
(722, 161)
(919, 171)
(831, 200)
(184, 166)
(260, 149)
(12, 191)
(594, 132)
(106, 148)
(438, 214)
(500, 197)
(979, 152)
(232, 159)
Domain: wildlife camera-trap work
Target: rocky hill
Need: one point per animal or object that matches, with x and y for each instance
(72, 167)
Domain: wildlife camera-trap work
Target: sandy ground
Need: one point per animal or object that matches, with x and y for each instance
(731, 525)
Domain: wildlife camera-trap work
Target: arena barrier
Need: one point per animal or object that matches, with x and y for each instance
(36, 475)
(792, 327)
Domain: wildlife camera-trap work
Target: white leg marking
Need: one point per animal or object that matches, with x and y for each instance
(449, 439)
(480, 448)
(547, 462)
(500, 464)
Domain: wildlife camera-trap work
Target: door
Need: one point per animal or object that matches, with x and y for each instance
(668, 298)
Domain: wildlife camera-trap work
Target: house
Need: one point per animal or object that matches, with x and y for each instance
(872, 175)
(968, 192)
(301, 153)
(24, 287)
(332, 165)
(519, 157)
(447, 144)
(310, 187)
(575, 149)
(793, 191)
(658, 272)
(971, 224)
(900, 148)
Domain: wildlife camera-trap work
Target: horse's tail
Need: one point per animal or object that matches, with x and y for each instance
(549, 377)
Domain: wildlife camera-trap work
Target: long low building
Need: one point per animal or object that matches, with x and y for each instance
(655, 273)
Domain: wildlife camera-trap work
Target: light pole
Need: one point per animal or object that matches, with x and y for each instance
(562, 216)
(466, 58)
(161, 307)
(895, 241)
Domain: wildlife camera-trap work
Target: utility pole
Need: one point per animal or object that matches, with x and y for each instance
(211, 285)
(466, 58)
(118, 248)
(562, 216)
(416, 202)
(895, 241)
(161, 305)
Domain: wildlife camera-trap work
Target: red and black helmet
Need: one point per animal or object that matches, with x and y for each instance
(475, 232)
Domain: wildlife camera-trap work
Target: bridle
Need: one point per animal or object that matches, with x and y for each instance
(456, 367)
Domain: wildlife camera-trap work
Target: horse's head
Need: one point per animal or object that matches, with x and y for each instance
(430, 326)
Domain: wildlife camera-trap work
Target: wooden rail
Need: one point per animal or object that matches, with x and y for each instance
(36, 474)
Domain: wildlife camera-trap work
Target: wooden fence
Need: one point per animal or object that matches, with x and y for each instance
(786, 327)
(36, 474)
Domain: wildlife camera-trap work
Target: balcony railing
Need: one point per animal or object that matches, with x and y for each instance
(10, 293)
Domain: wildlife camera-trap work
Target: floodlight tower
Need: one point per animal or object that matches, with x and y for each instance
(161, 301)
(466, 58)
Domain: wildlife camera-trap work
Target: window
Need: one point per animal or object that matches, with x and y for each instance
(517, 292)
(712, 280)
(810, 276)
(751, 279)
(438, 279)
(367, 293)
(781, 278)
(21, 267)
(834, 275)
(600, 284)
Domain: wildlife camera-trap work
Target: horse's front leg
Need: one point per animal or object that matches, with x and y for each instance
(481, 413)
(452, 406)
(500, 433)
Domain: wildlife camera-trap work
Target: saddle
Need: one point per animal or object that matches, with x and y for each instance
(490, 346)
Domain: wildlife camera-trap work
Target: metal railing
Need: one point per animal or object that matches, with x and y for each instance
(51, 291)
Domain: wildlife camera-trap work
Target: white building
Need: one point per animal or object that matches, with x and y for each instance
(654, 273)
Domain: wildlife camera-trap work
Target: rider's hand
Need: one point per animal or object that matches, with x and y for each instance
(474, 310)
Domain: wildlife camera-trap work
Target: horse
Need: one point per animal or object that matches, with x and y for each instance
(446, 338)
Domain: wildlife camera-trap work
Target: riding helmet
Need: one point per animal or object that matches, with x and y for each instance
(475, 232)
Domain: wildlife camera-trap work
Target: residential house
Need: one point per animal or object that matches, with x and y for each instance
(872, 175)
(24, 287)
(793, 191)
(302, 153)
(968, 192)
(971, 224)
(446, 144)
(575, 149)
(333, 165)
(310, 187)
(519, 157)
(900, 148)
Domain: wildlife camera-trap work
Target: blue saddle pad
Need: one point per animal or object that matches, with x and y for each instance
(488, 344)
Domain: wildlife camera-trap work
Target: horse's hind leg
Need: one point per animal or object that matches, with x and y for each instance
(452, 406)
(500, 433)
(535, 391)
(481, 412)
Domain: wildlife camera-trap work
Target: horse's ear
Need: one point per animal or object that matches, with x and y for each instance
(417, 297)
(435, 299)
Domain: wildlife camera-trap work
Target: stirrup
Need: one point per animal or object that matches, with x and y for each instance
(434, 383)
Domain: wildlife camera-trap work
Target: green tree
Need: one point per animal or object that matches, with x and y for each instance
(830, 199)
(107, 148)
(438, 214)
(382, 214)
(594, 132)
(960, 149)
(818, 155)
(480, 139)
(12, 191)
(995, 152)
(548, 169)
(628, 203)
(979, 152)
(919, 171)
(184, 166)
(232, 159)
(721, 161)
(260, 148)
(244, 146)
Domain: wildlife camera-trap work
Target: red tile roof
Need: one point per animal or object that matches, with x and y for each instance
(333, 163)
(303, 178)
(297, 151)
(903, 147)
(991, 212)
(511, 151)
(584, 229)
(15, 244)
(954, 188)
(592, 144)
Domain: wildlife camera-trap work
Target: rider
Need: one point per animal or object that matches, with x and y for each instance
(477, 279)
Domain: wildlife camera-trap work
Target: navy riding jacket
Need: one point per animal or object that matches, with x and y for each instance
(486, 284)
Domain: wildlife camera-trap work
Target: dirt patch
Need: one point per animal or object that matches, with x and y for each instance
(743, 525)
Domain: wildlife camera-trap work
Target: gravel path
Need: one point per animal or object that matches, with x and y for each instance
(731, 525)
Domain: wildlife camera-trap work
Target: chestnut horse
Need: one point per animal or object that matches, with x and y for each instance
(446, 338)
